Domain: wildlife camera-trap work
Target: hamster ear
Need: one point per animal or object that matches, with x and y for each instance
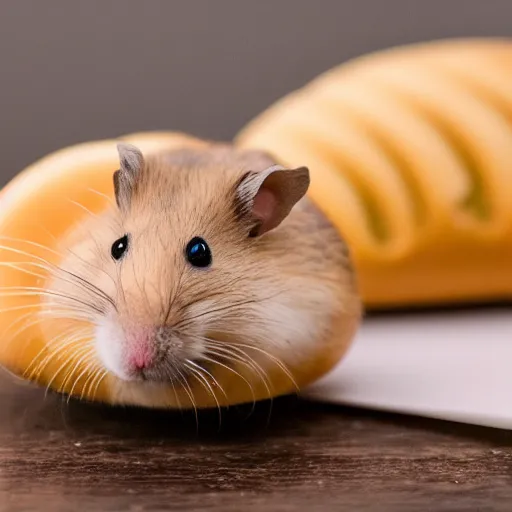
(131, 162)
(267, 197)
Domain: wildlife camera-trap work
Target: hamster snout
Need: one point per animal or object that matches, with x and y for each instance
(140, 352)
(144, 352)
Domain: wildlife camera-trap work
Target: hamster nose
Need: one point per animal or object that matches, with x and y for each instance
(140, 359)
(140, 350)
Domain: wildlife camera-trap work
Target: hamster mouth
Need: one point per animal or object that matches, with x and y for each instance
(176, 373)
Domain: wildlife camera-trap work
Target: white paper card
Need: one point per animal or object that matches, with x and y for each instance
(455, 366)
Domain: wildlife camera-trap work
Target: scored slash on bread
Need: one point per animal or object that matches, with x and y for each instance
(410, 154)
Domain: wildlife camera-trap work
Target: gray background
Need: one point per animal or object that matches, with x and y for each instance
(79, 70)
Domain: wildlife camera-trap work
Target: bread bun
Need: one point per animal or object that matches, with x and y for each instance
(410, 152)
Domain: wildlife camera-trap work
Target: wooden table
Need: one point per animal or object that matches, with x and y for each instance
(56, 456)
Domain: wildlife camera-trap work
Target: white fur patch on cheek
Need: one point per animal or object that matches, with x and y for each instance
(109, 340)
(289, 326)
(292, 327)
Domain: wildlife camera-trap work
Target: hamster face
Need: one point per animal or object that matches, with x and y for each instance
(204, 271)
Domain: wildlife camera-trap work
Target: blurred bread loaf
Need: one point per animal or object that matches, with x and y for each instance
(410, 153)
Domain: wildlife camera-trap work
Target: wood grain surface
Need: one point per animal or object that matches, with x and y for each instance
(56, 456)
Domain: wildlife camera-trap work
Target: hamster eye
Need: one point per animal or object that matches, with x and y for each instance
(198, 253)
(119, 247)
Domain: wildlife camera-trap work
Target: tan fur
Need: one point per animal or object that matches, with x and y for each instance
(297, 294)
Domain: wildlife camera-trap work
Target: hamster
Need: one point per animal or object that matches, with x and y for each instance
(211, 280)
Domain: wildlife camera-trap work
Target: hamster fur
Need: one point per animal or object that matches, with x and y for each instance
(275, 309)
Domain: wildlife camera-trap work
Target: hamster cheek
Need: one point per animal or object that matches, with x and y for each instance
(292, 327)
(109, 341)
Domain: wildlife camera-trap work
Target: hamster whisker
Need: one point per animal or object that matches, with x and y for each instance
(16, 266)
(20, 330)
(201, 297)
(206, 385)
(230, 307)
(55, 354)
(209, 342)
(32, 291)
(51, 268)
(276, 360)
(97, 308)
(188, 390)
(86, 355)
(238, 346)
(89, 366)
(18, 308)
(48, 264)
(251, 364)
(68, 361)
(88, 263)
(243, 358)
(176, 394)
(72, 311)
(23, 327)
(79, 314)
(40, 276)
(38, 315)
(28, 373)
(84, 283)
(205, 371)
(74, 338)
(67, 314)
(62, 347)
(101, 194)
(95, 384)
(57, 350)
(227, 367)
(203, 294)
(88, 286)
(93, 373)
(32, 244)
(84, 208)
